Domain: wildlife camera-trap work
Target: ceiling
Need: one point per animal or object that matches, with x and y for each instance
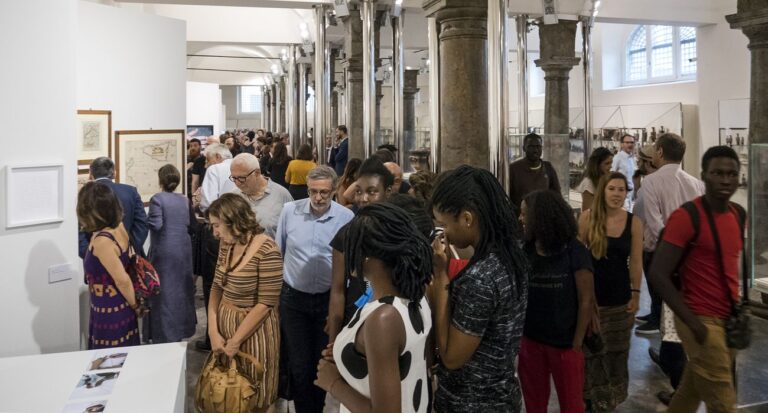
(247, 36)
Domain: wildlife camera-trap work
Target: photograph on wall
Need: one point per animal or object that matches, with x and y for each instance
(738, 139)
(94, 129)
(199, 131)
(85, 406)
(93, 385)
(44, 204)
(83, 176)
(109, 359)
(139, 154)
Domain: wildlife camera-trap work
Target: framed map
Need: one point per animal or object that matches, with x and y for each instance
(94, 131)
(139, 154)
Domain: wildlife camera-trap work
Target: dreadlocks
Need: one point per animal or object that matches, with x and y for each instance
(476, 190)
(386, 232)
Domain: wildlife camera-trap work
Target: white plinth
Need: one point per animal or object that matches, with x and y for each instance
(152, 380)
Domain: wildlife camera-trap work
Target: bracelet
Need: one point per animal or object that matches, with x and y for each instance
(330, 389)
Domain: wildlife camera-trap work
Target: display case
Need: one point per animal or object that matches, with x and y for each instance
(733, 131)
(758, 216)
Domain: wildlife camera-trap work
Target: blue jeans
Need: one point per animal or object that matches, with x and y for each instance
(302, 319)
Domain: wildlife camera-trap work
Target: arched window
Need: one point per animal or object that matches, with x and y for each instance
(656, 54)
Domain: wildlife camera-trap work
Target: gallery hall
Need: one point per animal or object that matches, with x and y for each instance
(427, 206)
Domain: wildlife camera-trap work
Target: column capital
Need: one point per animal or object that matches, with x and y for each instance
(557, 64)
(752, 19)
(410, 82)
(431, 7)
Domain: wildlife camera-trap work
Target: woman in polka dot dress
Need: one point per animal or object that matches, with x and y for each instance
(381, 355)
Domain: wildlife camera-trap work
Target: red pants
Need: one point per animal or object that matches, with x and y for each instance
(566, 366)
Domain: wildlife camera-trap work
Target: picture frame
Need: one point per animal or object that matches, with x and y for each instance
(199, 131)
(83, 177)
(93, 135)
(139, 155)
(44, 205)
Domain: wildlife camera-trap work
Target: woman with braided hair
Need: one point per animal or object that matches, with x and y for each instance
(381, 354)
(479, 315)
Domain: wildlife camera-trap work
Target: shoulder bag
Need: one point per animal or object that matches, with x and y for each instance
(222, 388)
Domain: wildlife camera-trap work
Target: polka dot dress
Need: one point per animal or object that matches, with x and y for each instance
(353, 366)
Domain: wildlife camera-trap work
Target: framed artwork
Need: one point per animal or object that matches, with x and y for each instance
(83, 176)
(199, 131)
(94, 131)
(139, 154)
(44, 204)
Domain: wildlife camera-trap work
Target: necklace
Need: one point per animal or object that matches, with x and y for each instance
(536, 168)
(229, 259)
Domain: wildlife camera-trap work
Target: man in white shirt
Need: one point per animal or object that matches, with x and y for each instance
(663, 192)
(625, 162)
(217, 182)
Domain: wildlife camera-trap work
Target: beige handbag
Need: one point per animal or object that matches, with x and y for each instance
(221, 388)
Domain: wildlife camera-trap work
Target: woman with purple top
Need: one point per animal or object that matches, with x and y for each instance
(113, 321)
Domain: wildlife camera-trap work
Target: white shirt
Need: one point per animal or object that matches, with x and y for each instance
(626, 164)
(216, 183)
(662, 193)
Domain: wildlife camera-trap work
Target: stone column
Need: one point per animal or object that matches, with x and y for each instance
(273, 110)
(463, 72)
(334, 107)
(379, 83)
(558, 57)
(410, 89)
(353, 47)
(752, 18)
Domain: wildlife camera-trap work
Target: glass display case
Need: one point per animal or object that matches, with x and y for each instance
(758, 216)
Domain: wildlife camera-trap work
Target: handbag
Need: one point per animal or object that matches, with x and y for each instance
(738, 331)
(222, 388)
(145, 279)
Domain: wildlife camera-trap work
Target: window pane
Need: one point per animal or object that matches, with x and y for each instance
(637, 68)
(687, 51)
(637, 64)
(662, 63)
(250, 99)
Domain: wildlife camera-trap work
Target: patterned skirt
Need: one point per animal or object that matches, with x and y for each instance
(606, 375)
(112, 323)
(264, 344)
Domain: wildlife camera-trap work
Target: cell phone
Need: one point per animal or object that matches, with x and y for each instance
(436, 233)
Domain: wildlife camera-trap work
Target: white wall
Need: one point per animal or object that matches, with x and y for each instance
(204, 105)
(38, 92)
(133, 64)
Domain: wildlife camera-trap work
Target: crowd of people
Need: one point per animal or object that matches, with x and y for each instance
(446, 292)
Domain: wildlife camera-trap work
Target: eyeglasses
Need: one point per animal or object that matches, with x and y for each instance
(241, 179)
(323, 193)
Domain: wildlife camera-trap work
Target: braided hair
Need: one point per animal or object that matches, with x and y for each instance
(387, 232)
(477, 190)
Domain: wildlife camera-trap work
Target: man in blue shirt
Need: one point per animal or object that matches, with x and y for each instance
(304, 233)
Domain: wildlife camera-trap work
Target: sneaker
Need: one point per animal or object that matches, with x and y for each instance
(665, 396)
(643, 318)
(647, 328)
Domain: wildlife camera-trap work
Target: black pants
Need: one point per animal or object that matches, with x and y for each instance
(302, 318)
(672, 361)
(209, 256)
(655, 315)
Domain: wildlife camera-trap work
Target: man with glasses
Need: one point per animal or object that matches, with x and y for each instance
(265, 197)
(304, 233)
(625, 162)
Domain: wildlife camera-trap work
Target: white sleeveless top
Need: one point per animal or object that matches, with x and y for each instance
(353, 366)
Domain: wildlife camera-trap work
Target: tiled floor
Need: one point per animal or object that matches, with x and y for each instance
(646, 379)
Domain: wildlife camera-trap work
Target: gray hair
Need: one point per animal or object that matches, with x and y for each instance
(250, 161)
(218, 149)
(102, 167)
(323, 172)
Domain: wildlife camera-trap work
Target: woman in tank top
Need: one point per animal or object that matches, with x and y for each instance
(615, 239)
(381, 355)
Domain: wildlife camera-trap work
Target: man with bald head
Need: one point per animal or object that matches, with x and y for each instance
(400, 186)
(265, 197)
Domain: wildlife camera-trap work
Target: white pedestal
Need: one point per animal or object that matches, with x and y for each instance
(153, 379)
